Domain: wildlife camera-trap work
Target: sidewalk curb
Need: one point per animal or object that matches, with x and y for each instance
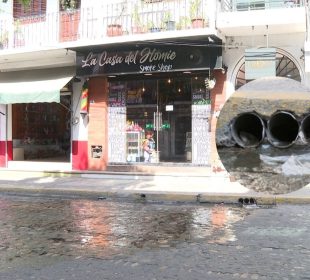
(134, 195)
(200, 195)
(101, 174)
(234, 198)
(154, 197)
(292, 200)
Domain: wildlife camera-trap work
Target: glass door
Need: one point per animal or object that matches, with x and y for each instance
(141, 107)
(174, 105)
(162, 106)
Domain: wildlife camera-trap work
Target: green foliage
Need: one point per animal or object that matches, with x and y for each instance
(4, 37)
(196, 9)
(167, 16)
(25, 3)
(202, 102)
(17, 24)
(183, 23)
(150, 24)
(136, 15)
(68, 4)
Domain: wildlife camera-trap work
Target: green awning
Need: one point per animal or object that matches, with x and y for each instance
(32, 92)
(33, 86)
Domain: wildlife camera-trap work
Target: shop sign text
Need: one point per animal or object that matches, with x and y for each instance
(148, 59)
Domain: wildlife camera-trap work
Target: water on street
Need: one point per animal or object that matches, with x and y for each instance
(52, 238)
(268, 169)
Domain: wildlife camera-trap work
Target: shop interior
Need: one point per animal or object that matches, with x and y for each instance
(42, 131)
(163, 106)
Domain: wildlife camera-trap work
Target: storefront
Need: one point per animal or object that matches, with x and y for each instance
(163, 88)
(36, 116)
(42, 131)
(163, 106)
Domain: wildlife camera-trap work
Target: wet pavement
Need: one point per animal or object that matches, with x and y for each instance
(267, 169)
(52, 238)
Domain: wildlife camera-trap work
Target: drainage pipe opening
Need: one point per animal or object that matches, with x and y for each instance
(248, 129)
(282, 129)
(305, 129)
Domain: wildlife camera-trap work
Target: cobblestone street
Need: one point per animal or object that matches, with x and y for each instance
(53, 238)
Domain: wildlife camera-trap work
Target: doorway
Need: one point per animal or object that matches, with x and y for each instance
(164, 107)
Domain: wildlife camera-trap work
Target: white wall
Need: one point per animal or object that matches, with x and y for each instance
(235, 47)
(6, 9)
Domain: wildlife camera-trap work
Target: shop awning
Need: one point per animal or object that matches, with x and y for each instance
(33, 86)
(32, 92)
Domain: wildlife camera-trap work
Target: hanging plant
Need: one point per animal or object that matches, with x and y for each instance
(210, 83)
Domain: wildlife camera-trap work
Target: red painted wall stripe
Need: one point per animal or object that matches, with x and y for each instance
(79, 155)
(2, 153)
(10, 150)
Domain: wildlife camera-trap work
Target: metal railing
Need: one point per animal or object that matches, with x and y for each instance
(248, 5)
(100, 21)
(126, 18)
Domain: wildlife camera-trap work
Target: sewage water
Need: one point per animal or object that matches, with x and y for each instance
(268, 169)
(31, 227)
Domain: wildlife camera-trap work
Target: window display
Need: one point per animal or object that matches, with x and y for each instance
(42, 130)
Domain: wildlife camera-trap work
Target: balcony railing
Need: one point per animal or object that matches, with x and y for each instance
(94, 24)
(248, 5)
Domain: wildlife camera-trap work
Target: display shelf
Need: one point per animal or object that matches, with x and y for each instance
(134, 146)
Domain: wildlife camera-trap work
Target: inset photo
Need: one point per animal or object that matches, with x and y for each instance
(263, 135)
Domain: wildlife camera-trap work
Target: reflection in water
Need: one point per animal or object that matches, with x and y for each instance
(35, 227)
(93, 227)
(111, 228)
(216, 224)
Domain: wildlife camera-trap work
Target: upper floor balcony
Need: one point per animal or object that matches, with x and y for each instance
(261, 17)
(103, 23)
(95, 22)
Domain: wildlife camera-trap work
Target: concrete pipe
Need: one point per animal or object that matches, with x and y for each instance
(305, 129)
(248, 129)
(282, 129)
(247, 201)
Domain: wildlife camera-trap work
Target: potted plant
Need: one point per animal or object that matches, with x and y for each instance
(69, 20)
(68, 5)
(115, 28)
(4, 40)
(168, 21)
(152, 27)
(183, 23)
(137, 24)
(196, 14)
(19, 40)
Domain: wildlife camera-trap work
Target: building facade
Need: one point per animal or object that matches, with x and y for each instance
(81, 85)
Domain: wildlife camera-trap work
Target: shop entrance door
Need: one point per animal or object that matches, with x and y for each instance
(171, 134)
(174, 105)
(165, 109)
